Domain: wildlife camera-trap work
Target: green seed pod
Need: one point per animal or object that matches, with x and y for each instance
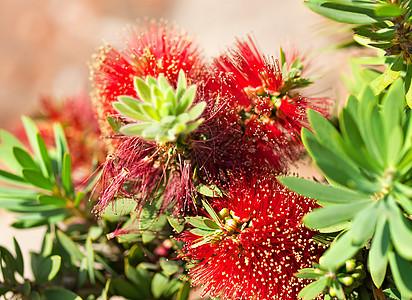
(332, 292)
(224, 212)
(347, 280)
(350, 265)
(231, 225)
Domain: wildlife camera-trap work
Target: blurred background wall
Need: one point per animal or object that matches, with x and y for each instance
(45, 46)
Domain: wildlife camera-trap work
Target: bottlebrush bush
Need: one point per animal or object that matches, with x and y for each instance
(191, 189)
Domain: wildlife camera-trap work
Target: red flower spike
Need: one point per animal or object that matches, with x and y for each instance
(268, 108)
(260, 246)
(153, 49)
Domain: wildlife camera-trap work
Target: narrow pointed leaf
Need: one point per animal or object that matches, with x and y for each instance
(389, 76)
(37, 179)
(402, 274)
(313, 289)
(378, 255)
(332, 215)
(51, 200)
(345, 11)
(61, 144)
(67, 175)
(340, 251)
(321, 192)
(401, 232)
(24, 159)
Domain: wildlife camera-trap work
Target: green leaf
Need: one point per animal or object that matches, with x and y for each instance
(45, 217)
(24, 159)
(402, 274)
(211, 212)
(120, 207)
(47, 244)
(388, 10)
(401, 232)
(137, 114)
(70, 247)
(321, 192)
(309, 273)
(10, 264)
(313, 289)
(184, 290)
(392, 106)
(134, 105)
(363, 224)
(37, 179)
(389, 76)
(67, 175)
(181, 84)
(186, 100)
(169, 267)
(61, 145)
(379, 251)
(140, 278)
(177, 224)
(200, 222)
(340, 251)
(336, 214)
(135, 129)
(125, 289)
(159, 284)
(197, 110)
(143, 89)
(61, 294)
(6, 150)
(346, 11)
(105, 292)
(326, 133)
(45, 162)
(34, 295)
(90, 260)
(19, 258)
(150, 112)
(334, 167)
(11, 178)
(392, 293)
(172, 288)
(51, 200)
(114, 123)
(209, 190)
(44, 268)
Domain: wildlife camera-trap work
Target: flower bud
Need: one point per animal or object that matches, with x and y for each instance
(347, 280)
(350, 265)
(231, 225)
(224, 212)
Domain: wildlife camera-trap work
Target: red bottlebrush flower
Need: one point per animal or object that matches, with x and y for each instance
(145, 170)
(260, 245)
(153, 49)
(270, 110)
(82, 132)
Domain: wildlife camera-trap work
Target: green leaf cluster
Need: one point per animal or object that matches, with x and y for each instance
(44, 267)
(383, 25)
(369, 167)
(292, 74)
(38, 183)
(163, 113)
(338, 283)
